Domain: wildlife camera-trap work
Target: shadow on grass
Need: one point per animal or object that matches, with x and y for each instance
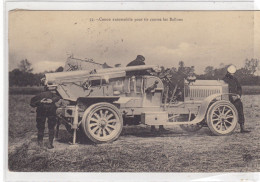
(135, 131)
(67, 138)
(144, 132)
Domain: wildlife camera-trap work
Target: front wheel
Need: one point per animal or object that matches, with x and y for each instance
(222, 118)
(102, 122)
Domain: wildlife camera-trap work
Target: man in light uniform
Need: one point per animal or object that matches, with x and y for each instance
(235, 88)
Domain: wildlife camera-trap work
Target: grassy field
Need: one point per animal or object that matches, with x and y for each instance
(136, 150)
(251, 90)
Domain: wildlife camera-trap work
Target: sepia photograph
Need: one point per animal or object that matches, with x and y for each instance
(133, 91)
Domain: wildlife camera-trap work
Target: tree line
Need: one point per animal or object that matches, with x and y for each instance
(245, 75)
(24, 76)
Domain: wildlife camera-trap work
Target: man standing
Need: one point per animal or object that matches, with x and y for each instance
(46, 109)
(235, 88)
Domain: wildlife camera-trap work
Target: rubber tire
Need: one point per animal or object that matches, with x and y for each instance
(88, 113)
(212, 108)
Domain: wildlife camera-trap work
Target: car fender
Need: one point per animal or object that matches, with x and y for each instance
(206, 104)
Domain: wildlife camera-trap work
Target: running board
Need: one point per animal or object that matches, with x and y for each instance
(161, 118)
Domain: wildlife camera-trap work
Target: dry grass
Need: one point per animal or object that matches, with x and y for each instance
(251, 90)
(137, 150)
(21, 116)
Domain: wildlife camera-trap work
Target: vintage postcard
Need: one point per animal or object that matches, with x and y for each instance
(134, 91)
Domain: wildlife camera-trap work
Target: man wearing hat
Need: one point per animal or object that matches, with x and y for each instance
(235, 87)
(45, 103)
(138, 61)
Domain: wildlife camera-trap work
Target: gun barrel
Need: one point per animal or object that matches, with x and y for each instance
(83, 74)
(129, 68)
(52, 77)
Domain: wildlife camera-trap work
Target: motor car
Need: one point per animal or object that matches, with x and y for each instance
(101, 101)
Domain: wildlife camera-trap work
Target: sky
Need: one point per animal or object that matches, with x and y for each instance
(199, 38)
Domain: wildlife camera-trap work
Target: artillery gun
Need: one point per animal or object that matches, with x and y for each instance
(101, 101)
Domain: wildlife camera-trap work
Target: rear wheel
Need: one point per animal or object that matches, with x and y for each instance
(222, 118)
(102, 122)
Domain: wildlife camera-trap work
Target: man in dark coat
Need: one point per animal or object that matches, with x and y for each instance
(235, 87)
(45, 109)
(137, 62)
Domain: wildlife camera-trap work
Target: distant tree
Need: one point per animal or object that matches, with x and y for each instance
(23, 76)
(209, 71)
(20, 78)
(251, 66)
(37, 79)
(184, 71)
(246, 75)
(25, 66)
(181, 65)
(219, 73)
(15, 77)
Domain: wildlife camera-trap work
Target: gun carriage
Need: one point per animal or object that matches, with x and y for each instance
(102, 101)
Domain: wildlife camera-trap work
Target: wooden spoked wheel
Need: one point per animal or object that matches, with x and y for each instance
(102, 122)
(222, 118)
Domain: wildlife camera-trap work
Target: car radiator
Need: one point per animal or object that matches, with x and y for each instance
(204, 88)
